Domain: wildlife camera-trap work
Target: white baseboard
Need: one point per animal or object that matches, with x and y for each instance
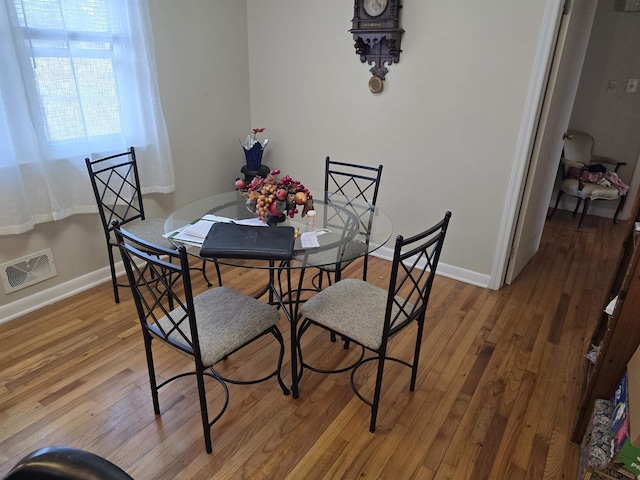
(449, 271)
(597, 208)
(85, 282)
(57, 293)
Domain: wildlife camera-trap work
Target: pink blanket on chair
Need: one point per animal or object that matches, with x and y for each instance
(607, 178)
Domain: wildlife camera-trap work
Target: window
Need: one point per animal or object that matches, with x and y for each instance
(79, 81)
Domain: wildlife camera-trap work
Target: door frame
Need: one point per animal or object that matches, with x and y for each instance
(534, 138)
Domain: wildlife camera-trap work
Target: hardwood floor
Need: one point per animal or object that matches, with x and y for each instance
(497, 391)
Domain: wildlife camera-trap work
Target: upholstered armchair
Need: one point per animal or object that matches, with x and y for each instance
(588, 177)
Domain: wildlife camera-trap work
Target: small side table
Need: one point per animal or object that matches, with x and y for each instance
(263, 171)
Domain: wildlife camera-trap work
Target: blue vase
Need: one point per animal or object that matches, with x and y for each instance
(254, 156)
(273, 220)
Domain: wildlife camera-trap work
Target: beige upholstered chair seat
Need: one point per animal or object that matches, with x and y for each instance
(328, 258)
(336, 309)
(226, 320)
(594, 191)
(151, 229)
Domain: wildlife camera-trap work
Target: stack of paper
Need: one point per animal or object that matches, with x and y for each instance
(310, 239)
(196, 231)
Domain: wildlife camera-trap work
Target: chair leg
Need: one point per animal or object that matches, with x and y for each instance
(338, 276)
(416, 355)
(364, 266)
(114, 278)
(332, 334)
(218, 273)
(560, 193)
(152, 373)
(587, 204)
(376, 394)
(578, 203)
(204, 273)
(623, 199)
(203, 408)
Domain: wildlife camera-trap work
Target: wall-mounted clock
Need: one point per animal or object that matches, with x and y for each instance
(374, 7)
(377, 34)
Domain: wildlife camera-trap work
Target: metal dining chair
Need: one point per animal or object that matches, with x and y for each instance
(360, 184)
(371, 316)
(116, 187)
(207, 328)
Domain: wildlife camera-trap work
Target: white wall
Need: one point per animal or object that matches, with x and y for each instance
(445, 127)
(203, 68)
(613, 119)
(203, 73)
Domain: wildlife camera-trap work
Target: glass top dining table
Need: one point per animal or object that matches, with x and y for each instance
(338, 220)
(342, 221)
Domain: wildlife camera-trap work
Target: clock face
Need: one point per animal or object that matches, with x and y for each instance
(374, 7)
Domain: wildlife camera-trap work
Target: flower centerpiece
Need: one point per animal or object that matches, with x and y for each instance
(253, 149)
(273, 198)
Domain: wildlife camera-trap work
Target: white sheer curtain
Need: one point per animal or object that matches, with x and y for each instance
(77, 79)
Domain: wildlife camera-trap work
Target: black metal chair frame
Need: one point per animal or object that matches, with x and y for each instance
(116, 186)
(65, 463)
(162, 289)
(360, 184)
(413, 270)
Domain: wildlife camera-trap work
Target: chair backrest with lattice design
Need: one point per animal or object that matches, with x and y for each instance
(162, 291)
(116, 186)
(357, 183)
(414, 265)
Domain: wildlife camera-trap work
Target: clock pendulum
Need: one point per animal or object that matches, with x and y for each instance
(376, 82)
(377, 34)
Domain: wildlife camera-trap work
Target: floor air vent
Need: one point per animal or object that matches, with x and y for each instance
(27, 271)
